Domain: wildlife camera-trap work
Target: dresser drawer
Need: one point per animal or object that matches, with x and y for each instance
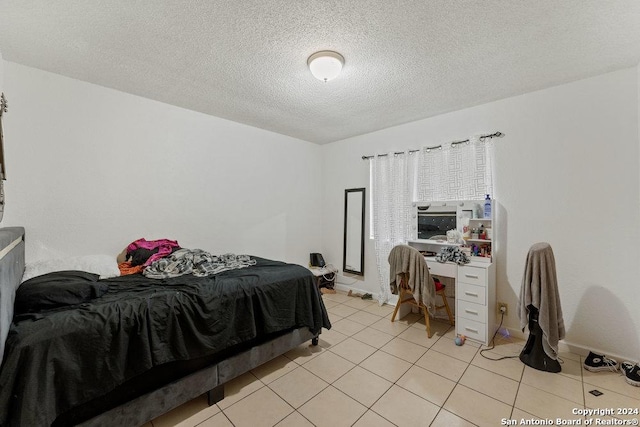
(472, 329)
(442, 269)
(472, 293)
(472, 275)
(472, 311)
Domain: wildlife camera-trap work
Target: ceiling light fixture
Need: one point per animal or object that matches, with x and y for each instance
(325, 65)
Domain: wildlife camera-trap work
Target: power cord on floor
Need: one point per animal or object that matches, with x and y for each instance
(493, 344)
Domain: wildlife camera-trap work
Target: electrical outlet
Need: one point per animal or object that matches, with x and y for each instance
(503, 308)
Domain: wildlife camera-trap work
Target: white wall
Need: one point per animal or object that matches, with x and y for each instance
(567, 173)
(91, 169)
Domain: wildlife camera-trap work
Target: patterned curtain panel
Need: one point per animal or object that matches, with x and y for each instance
(455, 172)
(392, 178)
(461, 171)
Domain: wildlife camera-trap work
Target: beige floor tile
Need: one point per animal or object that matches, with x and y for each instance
(612, 381)
(405, 350)
(332, 408)
(393, 328)
(347, 327)
(341, 310)
(426, 384)
(274, 369)
(465, 352)
(238, 388)
(510, 368)
(493, 385)
(554, 383)
(565, 353)
(295, 420)
(438, 327)
(261, 408)
(450, 334)
(218, 420)
(364, 318)
(333, 318)
(611, 399)
(188, 414)
(411, 318)
(379, 310)
(543, 404)
(359, 303)
(477, 407)
(339, 296)
(329, 366)
(447, 419)
(517, 415)
(404, 408)
(571, 369)
(353, 350)
(330, 338)
(373, 337)
(419, 336)
(442, 365)
(304, 352)
(362, 385)
(371, 419)
(298, 386)
(507, 347)
(329, 303)
(385, 365)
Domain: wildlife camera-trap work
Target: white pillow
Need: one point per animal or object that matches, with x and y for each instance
(103, 265)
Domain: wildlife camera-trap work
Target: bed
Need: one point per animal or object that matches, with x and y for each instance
(144, 346)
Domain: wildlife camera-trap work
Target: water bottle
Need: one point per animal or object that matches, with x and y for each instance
(487, 207)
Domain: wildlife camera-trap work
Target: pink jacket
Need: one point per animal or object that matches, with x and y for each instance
(165, 247)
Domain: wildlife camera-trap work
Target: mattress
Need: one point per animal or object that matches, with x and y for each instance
(63, 358)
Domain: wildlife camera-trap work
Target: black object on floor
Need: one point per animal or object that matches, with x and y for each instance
(533, 353)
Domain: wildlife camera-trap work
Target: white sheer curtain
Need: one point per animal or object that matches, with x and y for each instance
(462, 171)
(392, 176)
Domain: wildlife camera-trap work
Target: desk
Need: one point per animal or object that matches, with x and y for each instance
(475, 296)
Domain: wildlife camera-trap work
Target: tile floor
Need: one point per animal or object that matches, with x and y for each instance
(368, 371)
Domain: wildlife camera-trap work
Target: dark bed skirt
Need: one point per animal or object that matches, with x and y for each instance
(167, 387)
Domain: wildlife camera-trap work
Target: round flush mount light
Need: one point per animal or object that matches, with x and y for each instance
(325, 65)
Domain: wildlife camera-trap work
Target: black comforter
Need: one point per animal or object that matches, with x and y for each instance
(58, 359)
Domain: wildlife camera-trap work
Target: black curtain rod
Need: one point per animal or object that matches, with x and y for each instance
(497, 134)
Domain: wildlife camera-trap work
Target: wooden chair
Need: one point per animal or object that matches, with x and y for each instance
(405, 291)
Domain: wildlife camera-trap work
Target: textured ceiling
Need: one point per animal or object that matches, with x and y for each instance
(245, 60)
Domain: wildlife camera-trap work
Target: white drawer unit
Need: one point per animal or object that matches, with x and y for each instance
(472, 293)
(476, 301)
(471, 329)
(471, 311)
(472, 275)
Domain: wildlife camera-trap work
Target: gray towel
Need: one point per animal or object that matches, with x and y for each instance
(406, 259)
(540, 289)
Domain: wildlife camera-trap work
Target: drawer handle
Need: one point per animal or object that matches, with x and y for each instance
(471, 294)
(471, 276)
(471, 329)
(470, 311)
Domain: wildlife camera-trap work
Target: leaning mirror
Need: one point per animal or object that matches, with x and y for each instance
(353, 255)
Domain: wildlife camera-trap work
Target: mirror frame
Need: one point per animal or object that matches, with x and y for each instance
(346, 218)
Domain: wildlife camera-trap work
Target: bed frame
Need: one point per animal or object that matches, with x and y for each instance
(144, 408)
